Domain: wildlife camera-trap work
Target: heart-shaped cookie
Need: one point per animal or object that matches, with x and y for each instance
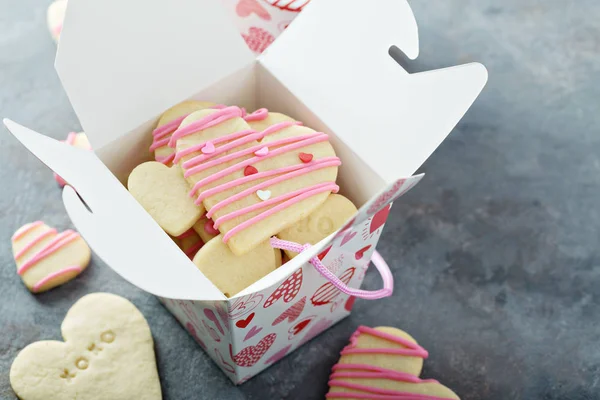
(107, 353)
(320, 223)
(167, 124)
(231, 273)
(163, 193)
(46, 258)
(383, 363)
(229, 195)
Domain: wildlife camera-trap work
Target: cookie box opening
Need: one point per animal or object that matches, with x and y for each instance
(382, 122)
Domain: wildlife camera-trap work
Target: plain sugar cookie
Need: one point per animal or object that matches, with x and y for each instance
(322, 222)
(381, 363)
(107, 353)
(231, 273)
(46, 258)
(163, 193)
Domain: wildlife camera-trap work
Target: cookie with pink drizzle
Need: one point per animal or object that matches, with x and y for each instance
(383, 363)
(168, 123)
(253, 184)
(46, 258)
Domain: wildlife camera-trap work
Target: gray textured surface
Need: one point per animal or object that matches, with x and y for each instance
(495, 253)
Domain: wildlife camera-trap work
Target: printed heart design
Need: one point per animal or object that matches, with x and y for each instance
(245, 8)
(299, 327)
(212, 317)
(316, 328)
(226, 366)
(45, 258)
(243, 305)
(243, 323)
(106, 340)
(349, 303)
(288, 289)
(252, 332)
(213, 334)
(163, 192)
(279, 355)
(327, 292)
(359, 254)
(292, 313)
(222, 311)
(324, 253)
(263, 194)
(258, 39)
(347, 237)
(250, 355)
(379, 218)
(386, 197)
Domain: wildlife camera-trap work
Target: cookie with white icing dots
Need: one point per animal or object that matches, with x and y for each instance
(107, 353)
(253, 184)
(231, 273)
(78, 140)
(45, 258)
(383, 363)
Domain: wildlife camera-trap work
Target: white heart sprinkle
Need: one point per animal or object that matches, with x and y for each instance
(263, 194)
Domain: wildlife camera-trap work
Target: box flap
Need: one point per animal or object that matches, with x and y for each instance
(124, 62)
(115, 226)
(391, 119)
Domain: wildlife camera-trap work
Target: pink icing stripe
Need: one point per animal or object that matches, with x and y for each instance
(167, 128)
(372, 371)
(206, 122)
(198, 147)
(375, 393)
(302, 170)
(166, 160)
(25, 229)
(58, 29)
(250, 150)
(402, 352)
(159, 143)
(412, 349)
(209, 227)
(332, 187)
(191, 252)
(53, 275)
(266, 203)
(71, 138)
(246, 136)
(59, 241)
(35, 241)
(317, 138)
(328, 161)
(258, 115)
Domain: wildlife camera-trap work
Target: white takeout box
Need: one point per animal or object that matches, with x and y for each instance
(123, 63)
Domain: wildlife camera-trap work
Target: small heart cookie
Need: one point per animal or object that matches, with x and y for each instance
(78, 140)
(383, 363)
(229, 195)
(55, 17)
(319, 224)
(231, 273)
(167, 124)
(107, 353)
(163, 193)
(46, 258)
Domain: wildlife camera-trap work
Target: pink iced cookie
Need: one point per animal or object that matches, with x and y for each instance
(79, 140)
(46, 258)
(55, 17)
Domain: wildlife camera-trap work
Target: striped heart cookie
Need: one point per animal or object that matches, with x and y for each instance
(383, 363)
(214, 147)
(46, 258)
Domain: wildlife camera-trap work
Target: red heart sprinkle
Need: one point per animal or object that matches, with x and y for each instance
(305, 157)
(250, 170)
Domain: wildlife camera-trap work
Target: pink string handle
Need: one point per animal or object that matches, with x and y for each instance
(378, 261)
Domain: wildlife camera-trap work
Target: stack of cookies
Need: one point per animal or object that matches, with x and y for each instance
(225, 181)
